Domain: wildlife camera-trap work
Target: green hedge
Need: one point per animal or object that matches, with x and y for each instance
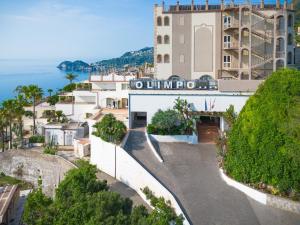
(165, 123)
(37, 139)
(264, 143)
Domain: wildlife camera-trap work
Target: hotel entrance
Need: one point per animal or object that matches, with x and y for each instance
(208, 129)
(138, 119)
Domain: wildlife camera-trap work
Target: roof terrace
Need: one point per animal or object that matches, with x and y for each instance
(228, 4)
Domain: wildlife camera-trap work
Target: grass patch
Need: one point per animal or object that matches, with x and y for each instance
(7, 180)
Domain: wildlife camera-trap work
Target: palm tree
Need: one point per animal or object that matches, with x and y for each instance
(34, 94)
(50, 92)
(8, 107)
(3, 126)
(20, 102)
(71, 77)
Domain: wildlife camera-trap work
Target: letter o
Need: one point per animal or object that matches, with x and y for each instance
(190, 84)
(139, 85)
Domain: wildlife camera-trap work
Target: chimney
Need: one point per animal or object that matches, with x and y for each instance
(163, 6)
(192, 5)
(222, 4)
(177, 6)
(277, 4)
(206, 4)
(262, 4)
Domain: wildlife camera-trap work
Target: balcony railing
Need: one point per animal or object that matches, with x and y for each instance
(230, 45)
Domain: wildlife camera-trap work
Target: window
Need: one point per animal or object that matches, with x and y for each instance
(290, 58)
(159, 59)
(227, 21)
(290, 20)
(227, 61)
(181, 20)
(125, 86)
(167, 39)
(181, 58)
(166, 21)
(227, 41)
(181, 39)
(159, 21)
(290, 39)
(166, 58)
(159, 40)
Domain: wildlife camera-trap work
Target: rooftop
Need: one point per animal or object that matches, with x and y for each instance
(226, 4)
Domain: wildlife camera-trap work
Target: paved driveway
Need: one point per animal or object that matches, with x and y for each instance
(191, 173)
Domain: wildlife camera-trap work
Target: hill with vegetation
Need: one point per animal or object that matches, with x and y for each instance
(264, 142)
(133, 58)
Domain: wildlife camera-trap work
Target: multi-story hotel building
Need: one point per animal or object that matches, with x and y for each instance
(227, 41)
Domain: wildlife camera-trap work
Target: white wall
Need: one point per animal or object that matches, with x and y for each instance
(129, 171)
(76, 113)
(152, 103)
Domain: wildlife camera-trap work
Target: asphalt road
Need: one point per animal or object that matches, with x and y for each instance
(191, 173)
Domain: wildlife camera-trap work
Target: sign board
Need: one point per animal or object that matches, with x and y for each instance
(149, 84)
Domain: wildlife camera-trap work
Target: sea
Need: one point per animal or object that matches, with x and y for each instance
(43, 73)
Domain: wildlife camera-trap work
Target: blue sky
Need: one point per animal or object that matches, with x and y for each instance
(74, 29)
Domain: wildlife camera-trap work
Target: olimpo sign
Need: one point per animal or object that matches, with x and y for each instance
(149, 84)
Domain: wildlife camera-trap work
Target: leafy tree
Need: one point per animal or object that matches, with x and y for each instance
(70, 87)
(71, 77)
(110, 129)
(82, 199)
(184, 109)
(264, 142)
(37, 209)
(230, 115)
(33, 94)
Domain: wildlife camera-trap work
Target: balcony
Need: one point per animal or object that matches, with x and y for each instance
(231, 26)
(230, 46)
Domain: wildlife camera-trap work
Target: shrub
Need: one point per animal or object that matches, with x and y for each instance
(110, 129)
(69, 88)
(36, 139)
(52, 100)
(50, 150)
(165, 123)
(264, 143)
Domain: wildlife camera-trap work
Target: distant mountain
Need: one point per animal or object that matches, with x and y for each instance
(133, 58)
(78, 66)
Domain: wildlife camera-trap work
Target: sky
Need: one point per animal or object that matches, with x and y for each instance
(74, 29)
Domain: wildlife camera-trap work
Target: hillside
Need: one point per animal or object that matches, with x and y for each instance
(133, 58)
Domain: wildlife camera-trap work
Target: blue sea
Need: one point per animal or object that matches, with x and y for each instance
(39, 72)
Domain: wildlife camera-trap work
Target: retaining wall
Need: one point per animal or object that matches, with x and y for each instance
(191, 139)
(110, 159)
(28, 165)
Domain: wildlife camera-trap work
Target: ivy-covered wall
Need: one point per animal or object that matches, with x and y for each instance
(264, 143)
